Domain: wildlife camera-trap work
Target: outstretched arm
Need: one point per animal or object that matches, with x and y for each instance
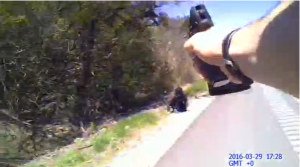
(267, 51)
(273, 47)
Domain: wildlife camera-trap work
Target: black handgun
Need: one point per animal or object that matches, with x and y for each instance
(200, 21)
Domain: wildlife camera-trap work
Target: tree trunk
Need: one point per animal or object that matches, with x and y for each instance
(87, 41)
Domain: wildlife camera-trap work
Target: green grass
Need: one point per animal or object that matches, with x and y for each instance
(72, 159)
(40, 165)
(196, 88)
(123, 130)
(111, 138)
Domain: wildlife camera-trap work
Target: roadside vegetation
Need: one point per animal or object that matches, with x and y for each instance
(196, 88)
(122, 130)
(104, 145)
(68, 68)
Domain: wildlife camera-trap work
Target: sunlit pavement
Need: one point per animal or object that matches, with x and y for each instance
(154, 147)
(261, 122)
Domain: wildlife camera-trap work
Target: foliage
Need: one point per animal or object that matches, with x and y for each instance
(170, 40)
(66, 64)
(196, 88)
(107, 142)
(123, 130)
(72, 159)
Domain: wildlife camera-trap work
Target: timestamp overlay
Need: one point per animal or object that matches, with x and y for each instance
(288, 121)
(252, 159)
(258, 127)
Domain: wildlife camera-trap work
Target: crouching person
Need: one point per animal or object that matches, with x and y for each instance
(179, 101)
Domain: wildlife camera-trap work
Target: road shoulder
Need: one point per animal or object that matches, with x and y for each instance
(153, 147)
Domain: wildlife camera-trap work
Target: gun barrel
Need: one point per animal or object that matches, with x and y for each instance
(200, 19)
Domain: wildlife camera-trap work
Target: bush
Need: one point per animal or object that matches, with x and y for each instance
(64, 63)
(196, 88)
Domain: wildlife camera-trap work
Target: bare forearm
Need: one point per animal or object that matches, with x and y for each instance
(272, 45)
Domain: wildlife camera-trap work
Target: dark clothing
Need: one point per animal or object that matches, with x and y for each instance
(210, 72)
(214, 73)
(179, 101)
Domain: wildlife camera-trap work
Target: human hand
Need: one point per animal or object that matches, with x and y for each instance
(208, 47)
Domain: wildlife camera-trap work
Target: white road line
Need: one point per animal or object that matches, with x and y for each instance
(280, 109)
(291, 133)
(290, 129)
(296, 149)
(293, 137)
(284, 121)
(286, 116)
(290, 124)
(295, 143)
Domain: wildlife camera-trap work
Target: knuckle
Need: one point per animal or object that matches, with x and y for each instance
(187, 46)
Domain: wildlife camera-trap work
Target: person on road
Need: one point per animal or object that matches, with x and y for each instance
(266, 51)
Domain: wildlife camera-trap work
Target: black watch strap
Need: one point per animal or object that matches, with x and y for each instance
(230, 65)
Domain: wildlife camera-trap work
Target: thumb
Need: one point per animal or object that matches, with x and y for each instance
(188, 47)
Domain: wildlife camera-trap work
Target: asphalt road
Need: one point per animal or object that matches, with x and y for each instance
(256, 121)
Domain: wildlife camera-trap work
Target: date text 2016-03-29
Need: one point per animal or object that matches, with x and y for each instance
(249, 159)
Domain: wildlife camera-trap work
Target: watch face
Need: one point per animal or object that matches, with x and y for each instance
(228, 62)
(220, 83)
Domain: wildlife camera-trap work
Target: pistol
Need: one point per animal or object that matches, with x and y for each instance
(218, 83)
(200, 20)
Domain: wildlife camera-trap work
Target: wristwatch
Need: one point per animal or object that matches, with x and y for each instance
(230, 65)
